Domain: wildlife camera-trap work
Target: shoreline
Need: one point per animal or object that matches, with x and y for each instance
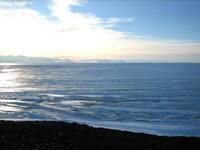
(49, 135)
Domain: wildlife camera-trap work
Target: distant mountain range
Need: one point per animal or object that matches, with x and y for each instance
(46, 60)
(31, 60)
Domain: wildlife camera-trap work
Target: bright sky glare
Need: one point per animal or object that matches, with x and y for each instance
(101, 29)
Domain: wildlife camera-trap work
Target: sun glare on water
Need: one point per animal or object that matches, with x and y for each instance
(8, 83)
(8, 80)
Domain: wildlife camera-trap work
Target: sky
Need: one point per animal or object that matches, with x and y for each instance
(141, 30)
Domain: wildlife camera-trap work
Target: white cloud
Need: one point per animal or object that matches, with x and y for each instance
(25, 31)
(115, 20)
(11, 3)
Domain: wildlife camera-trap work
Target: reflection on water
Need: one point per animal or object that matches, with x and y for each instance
(78, 102)
(9, 64)
(7, 108)
(153, 98)
(8, 83)
(8, 79)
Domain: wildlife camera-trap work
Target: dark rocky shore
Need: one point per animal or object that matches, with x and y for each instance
(47, 135)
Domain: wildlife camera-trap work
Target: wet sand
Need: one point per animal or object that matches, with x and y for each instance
(49, 135)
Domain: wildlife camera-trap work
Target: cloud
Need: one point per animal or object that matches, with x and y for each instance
(62, 10)
(115, 20)
(26, 31)
(11, 3)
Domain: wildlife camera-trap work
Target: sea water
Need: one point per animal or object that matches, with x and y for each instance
(152, 98)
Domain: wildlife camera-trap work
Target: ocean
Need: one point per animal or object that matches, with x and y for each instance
(156, 98)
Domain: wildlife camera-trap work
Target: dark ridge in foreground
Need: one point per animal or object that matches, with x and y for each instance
(49, 135)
